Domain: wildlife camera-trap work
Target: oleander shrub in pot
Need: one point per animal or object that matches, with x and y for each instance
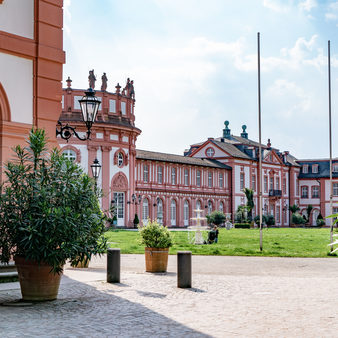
(157, 240)
(298, 219)
(50, 213)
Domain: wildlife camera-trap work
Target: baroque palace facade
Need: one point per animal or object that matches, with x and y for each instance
(211, 175)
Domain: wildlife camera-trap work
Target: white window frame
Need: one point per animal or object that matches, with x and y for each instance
(198, 178)
(145, 173)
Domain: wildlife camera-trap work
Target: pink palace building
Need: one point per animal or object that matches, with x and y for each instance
(211, 175)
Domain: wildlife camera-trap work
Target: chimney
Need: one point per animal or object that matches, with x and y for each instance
(244, 134)
(226, 130)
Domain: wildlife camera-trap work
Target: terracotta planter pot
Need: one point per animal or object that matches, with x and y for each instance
(156, 259)
(36, 281)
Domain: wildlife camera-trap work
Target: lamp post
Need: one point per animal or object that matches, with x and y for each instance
(89, 107)
(96, 169)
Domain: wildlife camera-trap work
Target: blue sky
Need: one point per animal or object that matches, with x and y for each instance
(194, 65)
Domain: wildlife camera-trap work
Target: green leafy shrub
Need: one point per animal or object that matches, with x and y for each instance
(257, 220)
(297, 218)
(216, 217)
(49, 208)
(242, 225)
(320, 222)
(270, 220)
(154, 235)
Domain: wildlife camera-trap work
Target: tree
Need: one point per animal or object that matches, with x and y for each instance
(217, 217)
(308, 212)
(294, 208)
(250, 201)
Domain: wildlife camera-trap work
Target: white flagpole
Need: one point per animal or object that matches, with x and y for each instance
(330, 142)
(260, 145)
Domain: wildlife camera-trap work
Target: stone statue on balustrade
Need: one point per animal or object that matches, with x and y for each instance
(104, 82)
(91, 79)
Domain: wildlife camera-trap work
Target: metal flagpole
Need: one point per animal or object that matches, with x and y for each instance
(330, 142)
(260, 145)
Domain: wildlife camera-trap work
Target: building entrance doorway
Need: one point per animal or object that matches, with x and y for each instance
(119, 204)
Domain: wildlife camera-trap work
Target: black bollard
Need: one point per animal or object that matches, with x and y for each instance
(113, 265)
(184, 269)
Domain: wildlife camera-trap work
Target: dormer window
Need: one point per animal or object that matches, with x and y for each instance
(305, 169)
(335, 167)
(210, 152)
(315, 168)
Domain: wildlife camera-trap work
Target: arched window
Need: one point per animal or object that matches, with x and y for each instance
(186, 213)
(120, 159)
(198, 205)
(173, 212)
(209, 207)
(69, 154)
(221, 206)
(160, 211)
(145, 211)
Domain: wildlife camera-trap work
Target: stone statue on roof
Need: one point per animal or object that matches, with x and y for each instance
(128, 90)
(104, 82)
(91, 79)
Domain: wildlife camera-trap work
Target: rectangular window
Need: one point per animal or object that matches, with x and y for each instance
(145, 173)
(277, 183)
(278, 214)
(271, 183)
(76, 102)
(210, 179)
(315, 192)
(159, 175)
(186, 177)
(305, 192)
(265, 183)
(335, 189)
(63, 102)
(123, 108)
(241, 183)
(305, 169)
(221, 181)
(284, 185)
(315, 168)
(335, 167)
(112, 106)
(198, 178)
(131, 108)
(173, 176)
(253, 182)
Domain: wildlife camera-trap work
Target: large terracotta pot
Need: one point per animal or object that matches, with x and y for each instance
(37, 282)
(156, 259)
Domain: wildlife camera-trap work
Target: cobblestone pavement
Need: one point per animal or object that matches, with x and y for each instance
(231, 297)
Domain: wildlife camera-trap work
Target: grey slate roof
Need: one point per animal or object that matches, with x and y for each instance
(163, 157)
(231, 149)
(323, 168)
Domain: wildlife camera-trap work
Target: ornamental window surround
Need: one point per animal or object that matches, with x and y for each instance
(305, 192)
(305, 169)
(69, 154)
(198, 178)
(315, 168)
(186, 177)
(145, 173)
(120, 159)
(173, 176)
(315, 192)
(210, 152)
(210, 179)
(335, 189)
(159, 175)
(221, 180)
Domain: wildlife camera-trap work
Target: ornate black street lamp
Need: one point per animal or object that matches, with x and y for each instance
(135, 199)
(96, 169)
(89, 107)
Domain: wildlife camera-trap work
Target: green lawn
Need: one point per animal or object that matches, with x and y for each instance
(282, 242)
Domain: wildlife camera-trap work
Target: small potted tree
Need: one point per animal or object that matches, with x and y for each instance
(49, 213)
(157, 241)
(136, 221)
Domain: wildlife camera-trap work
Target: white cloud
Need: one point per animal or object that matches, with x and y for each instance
(307, 5)
(332, 13)
(292, 98)
(277, 6)
(67, 16)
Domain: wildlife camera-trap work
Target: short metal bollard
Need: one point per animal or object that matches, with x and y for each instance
(184, 269)
(113, 265)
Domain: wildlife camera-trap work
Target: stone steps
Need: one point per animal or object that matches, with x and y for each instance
(8, 271)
